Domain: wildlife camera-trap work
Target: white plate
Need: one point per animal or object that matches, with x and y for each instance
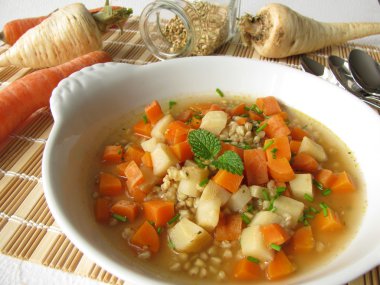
(89, 101)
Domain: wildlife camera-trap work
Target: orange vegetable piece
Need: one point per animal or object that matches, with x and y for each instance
(146, 159)
(342, 183)
(294, 146)
(121, 168)
(143, 129)
(195, 122)
(279, 148)
(227, 146)
(298, 134)
(133, 174)
(109, 185)
(274, 233)
(126, 208)
(269, 105)
(176, 132)
(214, 107)
(329, 223)
(254, 116)
(305, 163)
(228, 180)
(146, 235)
(325, 177)
(182, 151)
(154, 112)
(241, 121)
(229, 228)
(303, 240)
(102, 210)
(247, 270)
(280, 266)
(238, 110)
(112, 153)
(134, 153)
(158, 211)
(136, 193)
(276, 127)
(185, 116)
(255, 167)
(280, 169)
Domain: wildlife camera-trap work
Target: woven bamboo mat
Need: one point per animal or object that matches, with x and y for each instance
(27, 228)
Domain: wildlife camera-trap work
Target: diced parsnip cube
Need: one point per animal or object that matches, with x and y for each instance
(302, 184)
(213, 191)
(187, 236)
(266, 218)
(162, 158)
(315, 150)
(190, 163)
(257, 191)
(160, 127)
(207, 215)
(149, 179)
(239, 199)
(214, 121)
(150, 144)
(252, 244)
(195, 175)
(290, 209)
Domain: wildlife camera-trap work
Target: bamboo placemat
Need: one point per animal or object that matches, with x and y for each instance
(27, 228)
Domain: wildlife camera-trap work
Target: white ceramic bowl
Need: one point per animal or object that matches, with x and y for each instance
(88, 102)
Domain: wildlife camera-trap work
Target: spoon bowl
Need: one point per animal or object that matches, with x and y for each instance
(365, 71)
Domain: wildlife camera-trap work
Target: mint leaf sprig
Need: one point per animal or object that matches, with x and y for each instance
(206, 146)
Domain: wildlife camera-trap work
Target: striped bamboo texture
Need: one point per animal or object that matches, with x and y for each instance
(27, 228)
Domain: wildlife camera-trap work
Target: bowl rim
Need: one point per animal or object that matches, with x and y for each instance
(361, 265)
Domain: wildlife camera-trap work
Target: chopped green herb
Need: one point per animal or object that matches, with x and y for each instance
(308, 216)
(326, 192)
(204, 182)
(280, 190)
(254, 108)
(268, 144)
(245, 218)
(274, 151)
(152, 223)
(159, 230)
(324, 208)
(304, 127)
(262, 127)
(199, 117)
(318, 185)
(253, 259)
(171, 244)
(308, 197)
(145, 119)
(244, 115)
(120, 218)
(119, 151)
(227, 141)
(275, 246)
(172, 104)
(220, 92)
(272, 208)
(312, 209)
(250, 208)
(174, 219)
(266, 195)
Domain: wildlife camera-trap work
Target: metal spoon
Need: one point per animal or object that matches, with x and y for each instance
(323, 72)
(340, 69)
(365, 71)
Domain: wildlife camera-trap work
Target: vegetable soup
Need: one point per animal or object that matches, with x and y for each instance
(227, 189)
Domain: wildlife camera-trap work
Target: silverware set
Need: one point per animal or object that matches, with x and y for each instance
(359, 74)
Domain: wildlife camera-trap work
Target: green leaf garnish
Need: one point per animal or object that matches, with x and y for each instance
(204, 144)
(230, 161)
(220, 92)
(253, 259)
(172, 104)
(120, 218)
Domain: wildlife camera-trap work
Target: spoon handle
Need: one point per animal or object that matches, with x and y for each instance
(373, 102)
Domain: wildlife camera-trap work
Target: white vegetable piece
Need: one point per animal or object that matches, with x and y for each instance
(149, 179)
(195, 175)
(289, 208)
(150, 144)
(187, 236)
(302, 184)
(257, 191)
(311, 147)
(214, 191)
(207, 215)
(239, 199)
(266, 218)
(252, 244)
(162, 158)
(214, 121)
(161, 126)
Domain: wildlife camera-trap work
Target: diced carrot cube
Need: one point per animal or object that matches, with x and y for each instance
(134, 174)
(176, 132)
(158, 211)
(109, 185)
(146, 235)
(126, 209)
(228, 180)
(102, 210)
(121, 168)
(305, 162)
(276, 127)
(303, 240)
(247, 270)
(274, 234)
(294, 146)
(229, 228)
(269, 105)
(325, 177)
(143, 129)
(280, 169)
(329, 223)
(134, 153)
(182, 151)
(238, 110)
(279, 148)
(280, 266)
(227, 146)
(146, 159)
(185, 116)
(255, 117)
(112, 153)
(255, 167)
(153, 112)
(297, 133)
(342, 183)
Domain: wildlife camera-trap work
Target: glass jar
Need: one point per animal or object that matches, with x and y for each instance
(177, 28)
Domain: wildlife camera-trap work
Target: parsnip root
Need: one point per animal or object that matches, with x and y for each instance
(278, 31)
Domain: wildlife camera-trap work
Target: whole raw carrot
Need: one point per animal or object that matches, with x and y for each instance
(278, 31)
(26, 95)
(14, 29)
